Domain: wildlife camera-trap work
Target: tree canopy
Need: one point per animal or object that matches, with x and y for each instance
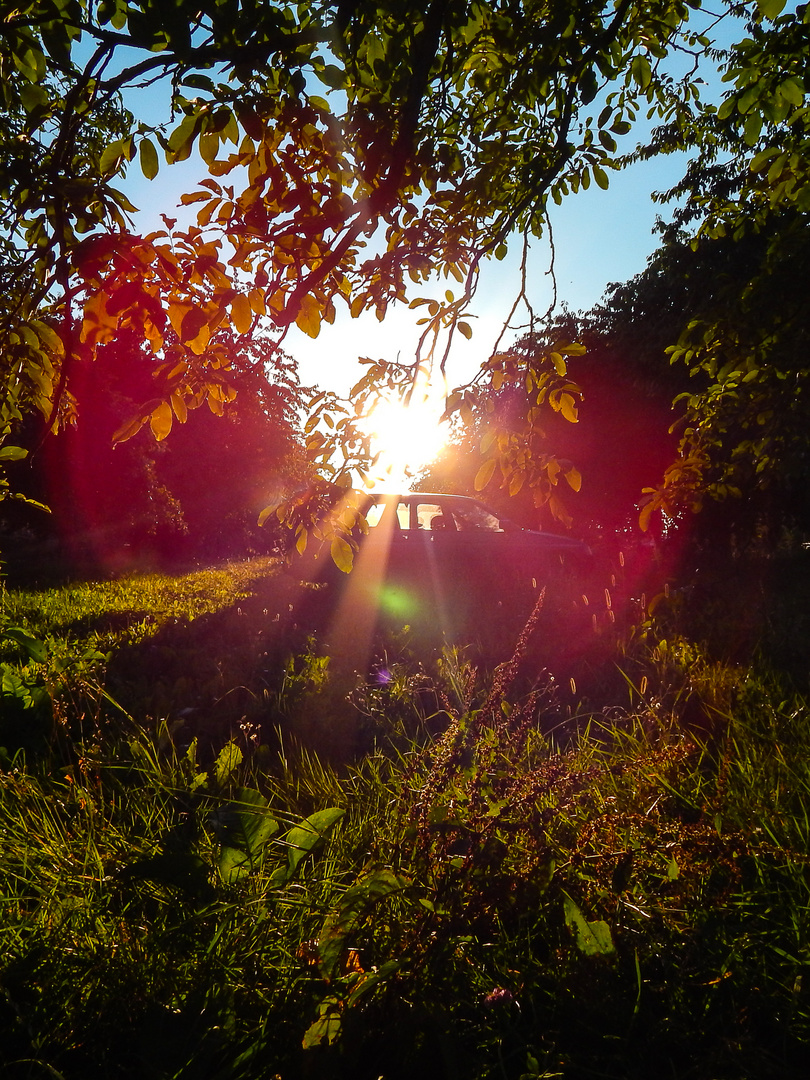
(351, 151)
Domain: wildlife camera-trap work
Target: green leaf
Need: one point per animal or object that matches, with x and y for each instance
(326, 1028)
(111, 156)
(13, 453)
(591, 938)
(354, 904)
(770, 9)
(302, 840)
(601, 178)
(180, 870)
(148, 159)
(37, 650)
(243, 828)
(228, 759)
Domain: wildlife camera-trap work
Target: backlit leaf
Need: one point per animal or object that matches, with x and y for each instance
(342, 554)
(148, 159)
(309, 317)
(241, 313)
(161, 421)
(484, 474)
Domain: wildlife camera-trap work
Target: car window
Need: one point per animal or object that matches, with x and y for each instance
(432, 517)
(475, 516)
(404, 515)
(374, 513)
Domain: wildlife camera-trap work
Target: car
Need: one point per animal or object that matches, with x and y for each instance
(456, 537)
(446, 566)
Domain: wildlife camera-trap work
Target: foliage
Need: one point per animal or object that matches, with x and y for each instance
(351, 151)
(198, 494)
(744, 424)
(618, 445)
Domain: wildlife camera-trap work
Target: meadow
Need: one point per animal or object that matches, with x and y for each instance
(225, 858)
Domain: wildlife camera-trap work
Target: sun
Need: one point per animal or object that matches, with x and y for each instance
(406, 437)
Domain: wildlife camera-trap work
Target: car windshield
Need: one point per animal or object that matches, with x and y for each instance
(473, 515)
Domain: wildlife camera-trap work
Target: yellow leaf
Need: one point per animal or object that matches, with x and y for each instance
(179, 406)
(516, 483)
(128, 429)
(161, 421)
(574, 478)
(241, 313)
(199, 344)
(568, 408)
(309, 317)
(257, 304)
(342, 554)
(484, 474)
(646, 514)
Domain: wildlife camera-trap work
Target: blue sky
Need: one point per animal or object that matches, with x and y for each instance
(599, 237)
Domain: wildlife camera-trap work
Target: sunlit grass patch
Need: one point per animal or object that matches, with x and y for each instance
(130, 609)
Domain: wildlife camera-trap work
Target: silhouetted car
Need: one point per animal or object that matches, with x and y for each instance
(454, 537)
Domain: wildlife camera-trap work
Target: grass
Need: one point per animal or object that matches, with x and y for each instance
(128, 610)
(494, 887)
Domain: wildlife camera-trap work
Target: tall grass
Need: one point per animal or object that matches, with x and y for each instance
(474, 896)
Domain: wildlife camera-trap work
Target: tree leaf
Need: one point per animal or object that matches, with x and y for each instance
(161, 421)
(484, 474)
(342, 554)
(770, 9)
(13, 453)
(148, 159)
(309, 317)
(241, 313)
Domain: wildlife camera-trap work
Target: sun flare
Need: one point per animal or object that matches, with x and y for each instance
(406, 437)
